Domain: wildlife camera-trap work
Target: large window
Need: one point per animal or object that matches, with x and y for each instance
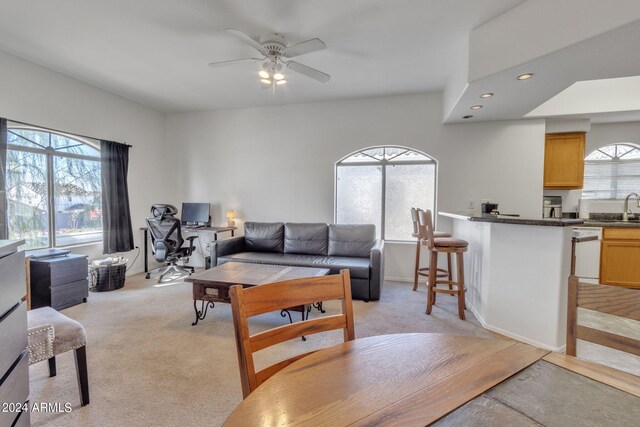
(380, 185)
(54, 191)
(612, 172)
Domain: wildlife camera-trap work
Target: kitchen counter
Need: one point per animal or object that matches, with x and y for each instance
(611, 219)
(506, 219)
(615, 224)
(516, 272)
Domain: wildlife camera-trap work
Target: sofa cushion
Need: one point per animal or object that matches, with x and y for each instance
(358, 267)
(264, 236)
(352, 240)
(308, 238)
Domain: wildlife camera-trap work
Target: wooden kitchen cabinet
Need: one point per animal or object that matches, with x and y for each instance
(620, 257)
(564, 160)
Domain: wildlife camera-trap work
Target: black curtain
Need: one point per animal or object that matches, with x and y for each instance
(4, 218)
(116, 217)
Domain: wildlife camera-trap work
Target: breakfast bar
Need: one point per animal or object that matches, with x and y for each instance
(516, 272)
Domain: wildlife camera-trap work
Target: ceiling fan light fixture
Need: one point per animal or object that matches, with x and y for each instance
(273, 49)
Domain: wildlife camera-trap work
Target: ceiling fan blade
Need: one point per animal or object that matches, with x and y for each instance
(308, 71)
(304, 47)
(232, 61)
(248, 40)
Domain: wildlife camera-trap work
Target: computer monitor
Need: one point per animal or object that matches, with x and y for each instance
(195, 214)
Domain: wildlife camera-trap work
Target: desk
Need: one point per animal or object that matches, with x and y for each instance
(214, 230)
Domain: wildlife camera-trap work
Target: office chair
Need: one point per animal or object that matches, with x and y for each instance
(166, 240)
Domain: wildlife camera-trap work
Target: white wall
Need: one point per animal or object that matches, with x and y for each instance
(277, 163)
(611, 133)
(37, 95)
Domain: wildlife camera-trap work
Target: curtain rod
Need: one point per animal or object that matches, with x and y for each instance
(59, 131)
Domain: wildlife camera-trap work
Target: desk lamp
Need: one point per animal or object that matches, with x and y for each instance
(230, 216)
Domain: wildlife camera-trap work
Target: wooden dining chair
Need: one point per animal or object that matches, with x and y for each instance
(615, 300)
(249, 302)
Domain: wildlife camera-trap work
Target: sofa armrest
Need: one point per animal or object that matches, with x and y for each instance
(376, 262)
(226, 247)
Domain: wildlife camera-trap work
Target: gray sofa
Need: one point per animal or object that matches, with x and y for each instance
(332, 246)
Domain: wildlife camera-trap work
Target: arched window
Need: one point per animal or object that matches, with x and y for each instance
(612, 172)
(54, 193)
(379, 185)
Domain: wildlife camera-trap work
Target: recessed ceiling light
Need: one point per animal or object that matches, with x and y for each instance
(526, 76)
(476, 107)
(486, 95)
(467, 116)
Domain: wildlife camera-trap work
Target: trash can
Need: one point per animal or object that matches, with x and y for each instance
(107, 277)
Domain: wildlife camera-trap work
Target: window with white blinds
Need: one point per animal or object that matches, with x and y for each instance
(612, 172)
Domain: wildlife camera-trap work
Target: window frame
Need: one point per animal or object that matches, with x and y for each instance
(384, 163)
(49, 153)
(615, 161)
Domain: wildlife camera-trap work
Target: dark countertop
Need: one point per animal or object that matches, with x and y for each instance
(612, 224)
(608, 219)
(503, 219)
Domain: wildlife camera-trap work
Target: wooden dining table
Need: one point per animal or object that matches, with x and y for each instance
(419, 378)
(376, 380)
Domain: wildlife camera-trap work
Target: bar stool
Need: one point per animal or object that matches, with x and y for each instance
(419, 232)
(449, 246)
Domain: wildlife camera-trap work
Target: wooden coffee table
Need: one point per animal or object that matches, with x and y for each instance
(211, 286)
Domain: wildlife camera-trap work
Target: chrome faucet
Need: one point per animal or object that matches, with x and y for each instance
(625, 214)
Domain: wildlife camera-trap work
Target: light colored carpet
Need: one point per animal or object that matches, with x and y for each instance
(149, 366)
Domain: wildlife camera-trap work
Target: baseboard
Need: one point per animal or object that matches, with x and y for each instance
(511, 334)
(398, 279)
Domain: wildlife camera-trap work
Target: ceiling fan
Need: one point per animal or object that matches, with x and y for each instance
(275, 53)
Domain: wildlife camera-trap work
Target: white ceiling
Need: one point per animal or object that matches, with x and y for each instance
(604, 48)
(604, 100)
(156, 51)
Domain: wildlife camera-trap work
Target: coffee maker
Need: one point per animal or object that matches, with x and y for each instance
(552, 207)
